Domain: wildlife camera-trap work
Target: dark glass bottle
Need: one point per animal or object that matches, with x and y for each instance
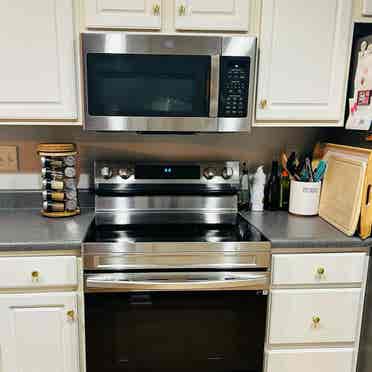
(272, 195)
(244, 192)
(284, 191)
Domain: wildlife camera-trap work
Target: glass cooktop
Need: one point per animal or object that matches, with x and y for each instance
(242, 231)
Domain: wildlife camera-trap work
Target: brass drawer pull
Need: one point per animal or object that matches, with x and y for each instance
(263, 104)
(156, 9)
(320, 271)
(71, 314)
(182, 10)
(35, 275)
(316, 321)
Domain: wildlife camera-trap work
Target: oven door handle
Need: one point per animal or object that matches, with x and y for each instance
(214, 281)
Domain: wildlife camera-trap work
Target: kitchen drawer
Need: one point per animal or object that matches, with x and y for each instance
(37, 272)
(313, 269)
(294, 314)
(316, 360)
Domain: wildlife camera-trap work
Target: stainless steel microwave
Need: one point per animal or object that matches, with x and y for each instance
(168, 83)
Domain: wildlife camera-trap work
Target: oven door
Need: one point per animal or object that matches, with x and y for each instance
(186, 322)
(151, 82)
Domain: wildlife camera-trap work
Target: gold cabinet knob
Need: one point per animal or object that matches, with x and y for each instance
(156, 9)
(316, 321)
(263, 103)
(182, 10)
(71, 314)
(320, 271)
(35, 275)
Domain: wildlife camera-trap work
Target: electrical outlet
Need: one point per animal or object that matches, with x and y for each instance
(8, 159)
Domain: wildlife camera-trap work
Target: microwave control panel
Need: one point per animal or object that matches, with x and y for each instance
(234, 90)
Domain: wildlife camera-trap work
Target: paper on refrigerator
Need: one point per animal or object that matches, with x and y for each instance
(360, 106)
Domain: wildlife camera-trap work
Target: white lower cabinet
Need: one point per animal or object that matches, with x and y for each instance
(39, 333)
(318, 269)
(314, 316)
(315, 360)
(38, 273)
(315, 311)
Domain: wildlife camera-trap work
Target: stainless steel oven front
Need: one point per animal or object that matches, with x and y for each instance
(168, 83)
(176, 307)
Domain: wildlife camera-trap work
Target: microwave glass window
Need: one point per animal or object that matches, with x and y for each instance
(148, 85)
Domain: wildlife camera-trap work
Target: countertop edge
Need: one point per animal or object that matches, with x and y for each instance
(263, 221)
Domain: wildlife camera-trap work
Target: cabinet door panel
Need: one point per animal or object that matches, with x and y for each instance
(304, 58)
(37, 71)
(36, 333)
(317, 360)
(300, 269)
(213, 15)
(17, 272)
(126, 14)
(293, 313)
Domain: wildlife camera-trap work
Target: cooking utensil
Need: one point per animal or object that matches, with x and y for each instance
(320, 170)
(292, 167)
(309, 170)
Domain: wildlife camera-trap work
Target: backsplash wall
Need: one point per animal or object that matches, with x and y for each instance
(257, 148)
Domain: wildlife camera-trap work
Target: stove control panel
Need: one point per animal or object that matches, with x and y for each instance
(107, 172)
(209, 173)
(125, 173)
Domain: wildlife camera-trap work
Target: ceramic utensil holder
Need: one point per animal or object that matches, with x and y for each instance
(304, 198)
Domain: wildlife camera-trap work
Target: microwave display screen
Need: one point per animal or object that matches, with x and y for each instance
(148, 85)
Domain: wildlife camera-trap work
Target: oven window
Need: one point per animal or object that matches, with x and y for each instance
(148, 85)
(175, 332)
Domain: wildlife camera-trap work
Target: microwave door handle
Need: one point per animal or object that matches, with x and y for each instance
(214, 86)
(227, 281)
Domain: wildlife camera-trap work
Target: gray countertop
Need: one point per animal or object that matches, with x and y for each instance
(22, 229)
(288, 231)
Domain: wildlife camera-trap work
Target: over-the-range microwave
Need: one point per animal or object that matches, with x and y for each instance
(168, 83)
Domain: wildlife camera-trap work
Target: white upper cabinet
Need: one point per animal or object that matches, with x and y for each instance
(303, 67)
(39, 332)
(37, 64)
(125, 14)
(367, 7)
(229, 15)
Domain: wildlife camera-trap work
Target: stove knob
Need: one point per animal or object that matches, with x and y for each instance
(125, 173)
(209, 173)
(227, 173)
(106, 172)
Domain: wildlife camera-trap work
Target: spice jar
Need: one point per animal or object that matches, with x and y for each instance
(59, 179)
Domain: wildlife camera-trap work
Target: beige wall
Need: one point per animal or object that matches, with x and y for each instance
(258, 147)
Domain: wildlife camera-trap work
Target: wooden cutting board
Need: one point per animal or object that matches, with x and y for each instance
(341, 198)
(365, 155)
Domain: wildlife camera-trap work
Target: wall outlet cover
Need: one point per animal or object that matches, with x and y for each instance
(8, 159)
